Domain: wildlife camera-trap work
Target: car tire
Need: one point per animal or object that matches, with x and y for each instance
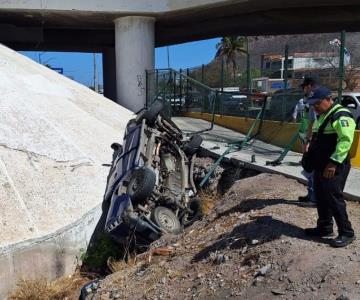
(193, 145)
(151, 114)
(195, 205)
(166, 219)
(141, 184)
(358, 124)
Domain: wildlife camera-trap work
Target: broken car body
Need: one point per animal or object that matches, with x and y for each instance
(150, 187)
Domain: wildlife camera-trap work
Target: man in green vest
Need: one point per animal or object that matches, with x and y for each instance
(328, 156)
(308, 117)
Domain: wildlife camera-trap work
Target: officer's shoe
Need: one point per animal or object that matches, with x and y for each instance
(318, 232)
(342, 241)
(304, 198)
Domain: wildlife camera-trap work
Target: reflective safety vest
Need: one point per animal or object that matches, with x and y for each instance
(333, 134)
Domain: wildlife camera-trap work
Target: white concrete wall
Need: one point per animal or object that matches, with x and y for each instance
(50, 256)
(55, 136)
(315, 63)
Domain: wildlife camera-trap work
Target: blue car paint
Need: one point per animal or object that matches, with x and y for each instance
(128, 161)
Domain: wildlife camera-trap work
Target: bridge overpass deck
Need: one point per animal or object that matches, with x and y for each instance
(216, 140)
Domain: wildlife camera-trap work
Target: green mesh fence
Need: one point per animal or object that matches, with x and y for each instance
(181, 93)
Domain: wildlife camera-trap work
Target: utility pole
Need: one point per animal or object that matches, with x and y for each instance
(168, 56)
(96, 87)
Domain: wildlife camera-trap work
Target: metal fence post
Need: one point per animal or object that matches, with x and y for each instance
(286, 66)
(341, 64)
(146, 88)
(248, 68)
(202, 73)
(180, 88)
(174, 105)
(187, 87)
(222, 74)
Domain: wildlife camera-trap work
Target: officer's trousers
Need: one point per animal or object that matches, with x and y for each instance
(330, 200)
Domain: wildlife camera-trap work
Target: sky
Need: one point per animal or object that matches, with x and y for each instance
(80, 66)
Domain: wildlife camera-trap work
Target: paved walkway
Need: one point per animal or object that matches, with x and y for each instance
(216, 141)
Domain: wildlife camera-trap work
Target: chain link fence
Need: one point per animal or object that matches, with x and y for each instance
(181, 93)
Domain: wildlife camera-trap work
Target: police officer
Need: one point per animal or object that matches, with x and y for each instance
(328, 156)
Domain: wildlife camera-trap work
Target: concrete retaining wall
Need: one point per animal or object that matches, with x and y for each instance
(50, 256)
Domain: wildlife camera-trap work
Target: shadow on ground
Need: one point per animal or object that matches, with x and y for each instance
(263, 229)
(257, 204)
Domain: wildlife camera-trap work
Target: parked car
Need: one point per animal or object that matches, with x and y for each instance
(150, 188)
(234, 102)
(351, 101)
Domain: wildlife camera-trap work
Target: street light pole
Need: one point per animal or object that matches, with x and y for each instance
(39, 56)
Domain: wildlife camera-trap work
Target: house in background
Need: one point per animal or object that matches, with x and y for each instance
(322, 65)
(299, 64)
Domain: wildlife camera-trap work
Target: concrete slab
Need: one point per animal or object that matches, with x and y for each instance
(215, 141)
(55, 136)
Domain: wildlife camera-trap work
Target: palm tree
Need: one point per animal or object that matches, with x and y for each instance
(229, 48)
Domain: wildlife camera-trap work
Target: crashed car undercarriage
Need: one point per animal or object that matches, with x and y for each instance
(150, 188)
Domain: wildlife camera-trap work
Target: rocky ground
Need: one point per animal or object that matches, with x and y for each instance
(251, 245)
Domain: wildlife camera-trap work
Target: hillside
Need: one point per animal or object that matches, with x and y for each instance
(276, 45)
(250, 246)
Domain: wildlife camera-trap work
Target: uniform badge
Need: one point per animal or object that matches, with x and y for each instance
(344, 123)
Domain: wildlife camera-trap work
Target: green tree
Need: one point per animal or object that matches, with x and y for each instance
(229, 48)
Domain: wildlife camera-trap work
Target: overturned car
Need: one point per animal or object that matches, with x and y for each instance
(150, 187)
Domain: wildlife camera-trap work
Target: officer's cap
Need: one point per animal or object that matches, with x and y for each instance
(318, 94)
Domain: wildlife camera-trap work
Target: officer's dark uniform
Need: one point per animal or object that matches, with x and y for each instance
(333, 134)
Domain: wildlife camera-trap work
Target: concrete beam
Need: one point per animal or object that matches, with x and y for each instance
(123, 6)
(96, 32)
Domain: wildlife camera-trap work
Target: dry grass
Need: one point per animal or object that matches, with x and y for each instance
(40, 289)
(117, 265)
(208, 200)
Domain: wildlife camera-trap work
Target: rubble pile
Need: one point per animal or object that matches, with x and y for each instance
(250, 246)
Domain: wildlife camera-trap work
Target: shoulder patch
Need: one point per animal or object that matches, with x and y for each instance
(344, 123)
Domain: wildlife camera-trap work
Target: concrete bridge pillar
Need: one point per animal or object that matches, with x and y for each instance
(109, 71)
(135, 53)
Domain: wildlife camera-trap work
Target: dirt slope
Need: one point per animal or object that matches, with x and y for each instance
(250, 246)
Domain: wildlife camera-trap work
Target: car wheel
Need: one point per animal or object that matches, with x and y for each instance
(196, 207)
(141, 184)
(166, 219)
(151, 114)
(358, 123)
(193, 145)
